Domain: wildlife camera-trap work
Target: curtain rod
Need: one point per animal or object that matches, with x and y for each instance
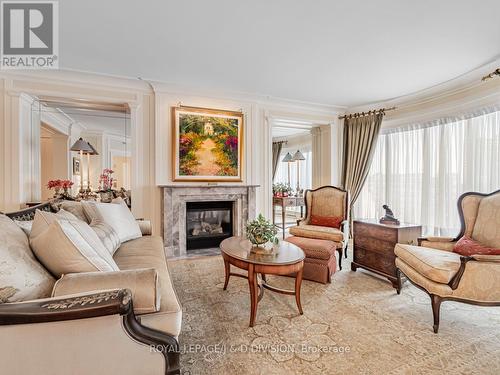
(280, 142)
(360, 114)
(494, 73)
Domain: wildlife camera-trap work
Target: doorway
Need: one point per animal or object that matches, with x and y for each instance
(53, 157)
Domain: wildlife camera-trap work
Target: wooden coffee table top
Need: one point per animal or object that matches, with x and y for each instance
(284, 253)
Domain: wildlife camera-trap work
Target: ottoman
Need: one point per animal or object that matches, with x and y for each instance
(320, 262)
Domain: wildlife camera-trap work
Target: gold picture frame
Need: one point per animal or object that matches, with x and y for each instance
(207, 144)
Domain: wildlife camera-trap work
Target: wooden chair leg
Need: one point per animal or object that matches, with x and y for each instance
(436, 306)
(399, 282)
(340, 258)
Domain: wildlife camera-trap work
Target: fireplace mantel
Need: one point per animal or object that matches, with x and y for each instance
(174, 209)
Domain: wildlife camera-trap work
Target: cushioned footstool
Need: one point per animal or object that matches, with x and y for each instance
(320, 262)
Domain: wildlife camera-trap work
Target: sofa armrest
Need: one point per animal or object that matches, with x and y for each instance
(145, 226)
(75, 333)
(77, 306)
(143, 285)
(439, 243)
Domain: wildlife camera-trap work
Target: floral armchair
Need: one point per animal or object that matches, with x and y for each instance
(448, 276)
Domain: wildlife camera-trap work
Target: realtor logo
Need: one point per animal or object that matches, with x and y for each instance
(30, 35)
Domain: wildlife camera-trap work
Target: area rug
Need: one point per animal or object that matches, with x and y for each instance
(355, 325)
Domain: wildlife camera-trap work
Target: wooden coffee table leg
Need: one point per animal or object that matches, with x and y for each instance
(252, 283)
(298, 283)
(227, 268)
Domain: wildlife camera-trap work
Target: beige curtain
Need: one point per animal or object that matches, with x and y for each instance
(277, 146)
(360, 140)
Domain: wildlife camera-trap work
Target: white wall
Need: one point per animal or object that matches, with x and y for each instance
(150, 130)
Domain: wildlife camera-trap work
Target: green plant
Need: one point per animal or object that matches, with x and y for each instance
(261, 231)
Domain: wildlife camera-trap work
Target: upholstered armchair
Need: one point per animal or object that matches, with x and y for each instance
(447, 276)
(326, 202)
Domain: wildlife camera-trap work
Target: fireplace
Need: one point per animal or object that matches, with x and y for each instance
(208, 223)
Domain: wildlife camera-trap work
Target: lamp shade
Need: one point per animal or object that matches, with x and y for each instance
(298, 156)
(287, 158)
(81, 145)
(93, 152)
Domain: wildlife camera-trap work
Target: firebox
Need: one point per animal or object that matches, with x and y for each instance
(208, 223)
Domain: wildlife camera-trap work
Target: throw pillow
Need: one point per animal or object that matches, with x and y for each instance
(326, 221)
(75, 208)
(117, 215)
(467, 246)
(25, 225)
(46, 218)
(22, 277)
(67, 246)
(106, 234)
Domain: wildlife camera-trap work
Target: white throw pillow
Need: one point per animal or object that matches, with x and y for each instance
(67, 246)
(106, 234)
(115, 214)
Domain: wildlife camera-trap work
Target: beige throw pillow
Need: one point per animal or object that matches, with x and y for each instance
(115, 214)
(68, 246)
(106, 234)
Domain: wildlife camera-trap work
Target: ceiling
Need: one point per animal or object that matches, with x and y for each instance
(343, 52)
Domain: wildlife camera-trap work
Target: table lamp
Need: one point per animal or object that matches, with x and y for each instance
(298, 157)
(81, 146)
(88, 153)
(288, 159)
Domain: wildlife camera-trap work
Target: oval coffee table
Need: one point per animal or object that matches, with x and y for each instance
(285, 260)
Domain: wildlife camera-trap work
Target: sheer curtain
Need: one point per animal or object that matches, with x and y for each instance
(421, 170)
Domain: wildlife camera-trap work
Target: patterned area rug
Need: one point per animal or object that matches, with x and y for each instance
(356, 325)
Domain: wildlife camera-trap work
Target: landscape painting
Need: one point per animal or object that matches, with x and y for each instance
(207, 144)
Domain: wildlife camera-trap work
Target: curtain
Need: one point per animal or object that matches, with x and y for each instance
(277, 146)
(421, 170)
(360, 140)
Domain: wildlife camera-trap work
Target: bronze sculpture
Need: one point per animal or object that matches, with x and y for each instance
(388, 217)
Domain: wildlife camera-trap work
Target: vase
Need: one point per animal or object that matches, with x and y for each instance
(106, 196)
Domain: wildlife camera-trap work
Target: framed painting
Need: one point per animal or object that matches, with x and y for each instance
(76, 166)
(207, 144)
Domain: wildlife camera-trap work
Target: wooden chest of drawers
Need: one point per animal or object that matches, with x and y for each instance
(374, 245)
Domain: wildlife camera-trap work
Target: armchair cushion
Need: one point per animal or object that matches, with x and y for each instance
(143, 284)
(68, 246)
(326, 221)
(467, 246)
(436, 265)
(319, 232)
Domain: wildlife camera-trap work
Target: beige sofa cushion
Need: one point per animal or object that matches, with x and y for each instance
(316, 231)
(117, 215)
(436, 265)
(68, 246)
(22, 277)
(487, 226)
(148, 252)
(143, 283)
(76, 209)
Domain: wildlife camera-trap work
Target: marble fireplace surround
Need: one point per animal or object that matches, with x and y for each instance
(174, 210)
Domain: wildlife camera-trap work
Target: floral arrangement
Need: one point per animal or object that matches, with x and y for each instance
(57, 185)
(106, 180)
(261, 231)
(281, 189)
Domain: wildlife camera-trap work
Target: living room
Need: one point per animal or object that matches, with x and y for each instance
(342, 157)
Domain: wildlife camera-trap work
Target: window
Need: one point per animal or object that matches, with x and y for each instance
(420, 171)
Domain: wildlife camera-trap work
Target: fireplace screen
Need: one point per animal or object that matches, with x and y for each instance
(208, 223)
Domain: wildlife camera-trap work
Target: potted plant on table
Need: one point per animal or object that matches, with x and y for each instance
(106, 181)
(281, 190)
(260, 232)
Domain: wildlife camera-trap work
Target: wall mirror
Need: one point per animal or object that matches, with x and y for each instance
(56, 127)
